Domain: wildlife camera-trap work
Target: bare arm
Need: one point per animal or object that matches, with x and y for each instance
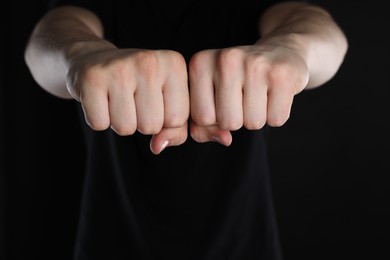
(300, 47)
(61, 34)
(126, 89)
(312, 32)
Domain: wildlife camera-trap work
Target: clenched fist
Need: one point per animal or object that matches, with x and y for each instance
(133, 89)
(243, 86)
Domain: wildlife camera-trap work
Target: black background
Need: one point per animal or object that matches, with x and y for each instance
(330, 162)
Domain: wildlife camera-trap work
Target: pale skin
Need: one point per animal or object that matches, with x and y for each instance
(300, 47)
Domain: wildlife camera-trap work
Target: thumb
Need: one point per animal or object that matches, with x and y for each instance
(168, 137)
(210, 133)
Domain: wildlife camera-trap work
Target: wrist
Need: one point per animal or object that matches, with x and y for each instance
(82, 47)
(296, 42)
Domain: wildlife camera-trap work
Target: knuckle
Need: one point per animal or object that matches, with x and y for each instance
(279, 73)
(195, 132)
(277, 121)
(123, 130)
(230, 124)
(175, 120)
(229, 58)
(92, 75)
(177, 64)
(197, 61)
(146, 62)
(203, 120)
(149, 128)
(254, 125)
(181, 135)
(98, 125)
(175, 57)
(255, 64)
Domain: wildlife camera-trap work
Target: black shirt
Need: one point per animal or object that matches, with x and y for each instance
(195, 201)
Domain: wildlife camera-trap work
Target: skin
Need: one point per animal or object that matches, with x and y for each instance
(300, 47)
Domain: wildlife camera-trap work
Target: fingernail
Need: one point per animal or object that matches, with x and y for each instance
(164, 145)
(215, 138)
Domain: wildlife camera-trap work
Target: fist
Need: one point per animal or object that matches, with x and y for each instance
(133, 89)
(244, 86)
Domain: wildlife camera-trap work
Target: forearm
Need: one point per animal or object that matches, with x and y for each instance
(52, 45)
(312, 32)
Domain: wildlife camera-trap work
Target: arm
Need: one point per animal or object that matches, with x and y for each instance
(312, 32)
(126, 89)
(300, 47)
(52, 45)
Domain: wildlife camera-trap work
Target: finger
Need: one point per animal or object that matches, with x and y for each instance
(168, 137)
(202, 89)
(122, 110)
(175, 95)
(255, 102)
(280, 99)
(202, 134)
(150, 107)
(94, 101)
(229, 97)
(229, 106)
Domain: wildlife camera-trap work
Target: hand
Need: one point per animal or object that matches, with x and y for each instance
(243, 86)
(133, 89)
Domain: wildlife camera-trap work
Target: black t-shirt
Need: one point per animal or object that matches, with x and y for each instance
(194, 201)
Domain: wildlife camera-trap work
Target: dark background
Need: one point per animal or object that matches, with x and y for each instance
(330, 162)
